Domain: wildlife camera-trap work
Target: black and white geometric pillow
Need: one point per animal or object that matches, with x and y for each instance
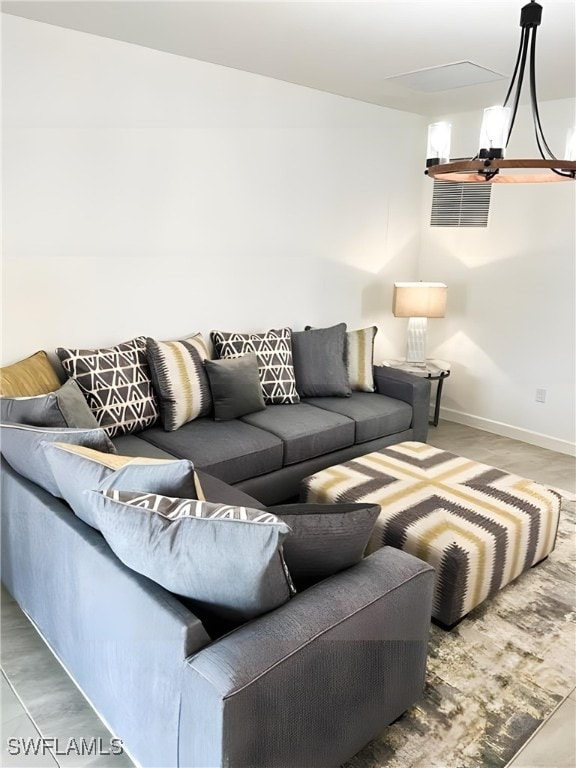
(173, 508)
(275, 366)
(116, 383)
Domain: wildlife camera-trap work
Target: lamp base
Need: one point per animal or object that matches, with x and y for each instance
(416, 341)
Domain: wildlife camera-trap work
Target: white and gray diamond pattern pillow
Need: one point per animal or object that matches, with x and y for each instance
(275, 366)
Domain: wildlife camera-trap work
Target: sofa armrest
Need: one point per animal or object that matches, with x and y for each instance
(121, 637)
(410, 388)
(312, 682)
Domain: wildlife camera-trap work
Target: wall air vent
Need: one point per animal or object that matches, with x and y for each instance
(459, 204)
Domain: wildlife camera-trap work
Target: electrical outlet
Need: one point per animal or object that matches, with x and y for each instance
(540, 395)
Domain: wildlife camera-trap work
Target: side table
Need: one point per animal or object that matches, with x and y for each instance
(435, 370)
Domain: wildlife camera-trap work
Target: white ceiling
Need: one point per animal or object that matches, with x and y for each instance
(354, 49)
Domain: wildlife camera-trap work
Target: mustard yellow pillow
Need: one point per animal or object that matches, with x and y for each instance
(29, 377)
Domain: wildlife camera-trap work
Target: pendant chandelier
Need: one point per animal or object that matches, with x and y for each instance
(497, 127)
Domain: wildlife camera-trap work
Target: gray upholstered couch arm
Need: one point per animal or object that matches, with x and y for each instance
(312, 682)
(412, 389)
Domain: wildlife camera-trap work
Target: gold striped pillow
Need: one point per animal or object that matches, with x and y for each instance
(28, 378)
(179, 378)
(361, 359)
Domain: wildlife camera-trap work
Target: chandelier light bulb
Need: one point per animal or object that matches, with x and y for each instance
(494, 132)
(438, 151)
(571, 144)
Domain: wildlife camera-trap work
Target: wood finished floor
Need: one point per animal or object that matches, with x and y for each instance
(38, 697)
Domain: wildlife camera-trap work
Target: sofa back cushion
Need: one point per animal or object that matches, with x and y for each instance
(116, 383)
(324, 538)
(179, 378)
(22, 447)
(77, 469)
(66, 407)
(275, 365)
(228, 559)
(320, 362)
(32, 376)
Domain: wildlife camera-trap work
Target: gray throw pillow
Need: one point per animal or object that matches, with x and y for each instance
(22, 447)
(235, 386)
(77, 469)
(66, 407)
(229, 559)
(320, 362)
(324, 538)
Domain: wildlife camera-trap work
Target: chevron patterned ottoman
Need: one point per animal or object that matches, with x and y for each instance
(478, 526)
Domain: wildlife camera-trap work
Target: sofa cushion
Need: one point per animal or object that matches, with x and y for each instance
(66, 407)
(133, 445)
(235, 386)
(274, 352)
(227, 558)
(324, 538)
(374, 415)
(77, 469)
(305, 431)
(219, 492)
(22, 447)
(117, 385)
(179, 378)
(230, 450)
(360, 359)
(320, 362)
(32, 376)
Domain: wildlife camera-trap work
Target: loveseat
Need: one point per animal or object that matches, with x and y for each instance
(305, 684)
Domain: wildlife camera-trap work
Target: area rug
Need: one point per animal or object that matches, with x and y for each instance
(493, 679)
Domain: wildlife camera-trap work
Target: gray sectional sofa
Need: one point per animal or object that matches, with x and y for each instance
(268, 453)
(305, 685)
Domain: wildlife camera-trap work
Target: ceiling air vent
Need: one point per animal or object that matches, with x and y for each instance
(460, 204)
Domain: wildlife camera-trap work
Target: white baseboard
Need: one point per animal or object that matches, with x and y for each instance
(507, 430)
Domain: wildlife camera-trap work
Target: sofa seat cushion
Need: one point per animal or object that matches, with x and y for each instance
(374, 415)
(133, 445)
(229, 450)
(305, 431)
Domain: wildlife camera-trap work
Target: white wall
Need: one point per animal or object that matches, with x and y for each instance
(510, 325)
(147, 193)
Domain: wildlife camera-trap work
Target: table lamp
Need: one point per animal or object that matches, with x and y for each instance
(418, 302)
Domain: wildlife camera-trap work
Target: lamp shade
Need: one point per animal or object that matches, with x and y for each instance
(419, 300)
